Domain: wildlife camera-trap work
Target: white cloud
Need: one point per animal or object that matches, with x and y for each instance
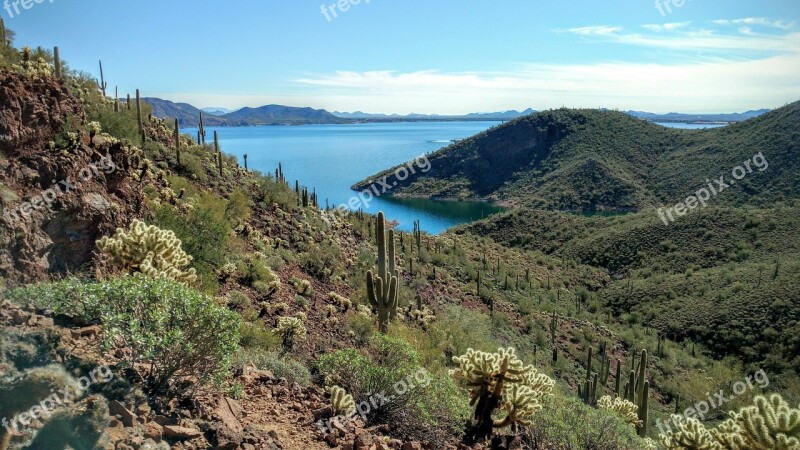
(601, 30)
(666, 26)
(719, 85)
(695, 39)
(761, 21)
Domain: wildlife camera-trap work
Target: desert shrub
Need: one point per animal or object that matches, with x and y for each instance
(281, 366)
(139, 313)
(256, 335)
(237, 210)
(566, 423)
(431, 408)
(322, 261)
(255, 272)
(204, 233)
(362, 328)
(80, 300)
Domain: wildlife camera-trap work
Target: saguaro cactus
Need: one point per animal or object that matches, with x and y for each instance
(219, 153)
(103, 83)
(56, 61)
(139, 115)
(177, 142)
(553, 329)
(382, 287)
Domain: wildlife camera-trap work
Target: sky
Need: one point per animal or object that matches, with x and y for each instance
(431, 56)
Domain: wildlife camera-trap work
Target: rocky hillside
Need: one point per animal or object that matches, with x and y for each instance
(180, 301)
(589, 160)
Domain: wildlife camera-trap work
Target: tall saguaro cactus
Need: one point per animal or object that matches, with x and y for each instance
(103, 83)
(382, 287)
(139, 115)
(219, 153)
(57, 62)
(177, 142)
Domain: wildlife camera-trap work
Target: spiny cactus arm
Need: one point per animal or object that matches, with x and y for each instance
(770, 423)
(342, 402)
(520, 404)
(622, 407)
(690, 434)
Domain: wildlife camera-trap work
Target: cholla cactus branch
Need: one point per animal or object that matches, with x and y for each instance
(149, 250)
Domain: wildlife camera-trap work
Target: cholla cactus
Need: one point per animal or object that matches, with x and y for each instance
(94, 127)
(38, 68)
(628, 410)
(688, 434)
(770, 424)
(340, 301)
(228, 270)
(500, 381)
(303, 287)
(342, 402)
(291, 330)
(302, 316)
(149, 250)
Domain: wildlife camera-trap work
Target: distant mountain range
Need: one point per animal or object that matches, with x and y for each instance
(505, 115)
(217, 111)
(679, 117)
(188, 115)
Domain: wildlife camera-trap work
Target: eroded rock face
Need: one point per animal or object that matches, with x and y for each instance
(32, 111)
(55, 202)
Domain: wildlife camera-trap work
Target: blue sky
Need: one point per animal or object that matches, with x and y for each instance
(433, 56)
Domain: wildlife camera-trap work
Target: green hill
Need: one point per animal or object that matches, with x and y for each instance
(589, 160)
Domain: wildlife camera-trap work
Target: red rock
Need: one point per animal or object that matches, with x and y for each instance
(181, 433)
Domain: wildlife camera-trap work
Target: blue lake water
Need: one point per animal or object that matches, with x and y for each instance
(331, 158)
(690, 126)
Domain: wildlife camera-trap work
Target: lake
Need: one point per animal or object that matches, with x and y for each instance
(331, 158)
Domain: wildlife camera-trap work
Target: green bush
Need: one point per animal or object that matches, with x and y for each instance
(432, 409)
(256, 335)
(203, 232)
(566, 423)
(173, 329)
(280, 366)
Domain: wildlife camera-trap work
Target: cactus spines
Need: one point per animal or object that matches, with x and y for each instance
(4, 42)
(56, 60)
(103, 83)
(150, 251)
(500, 381)
(382, 287)
(177, 142)
(291, 330)
(341, 401)
(622, 407)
